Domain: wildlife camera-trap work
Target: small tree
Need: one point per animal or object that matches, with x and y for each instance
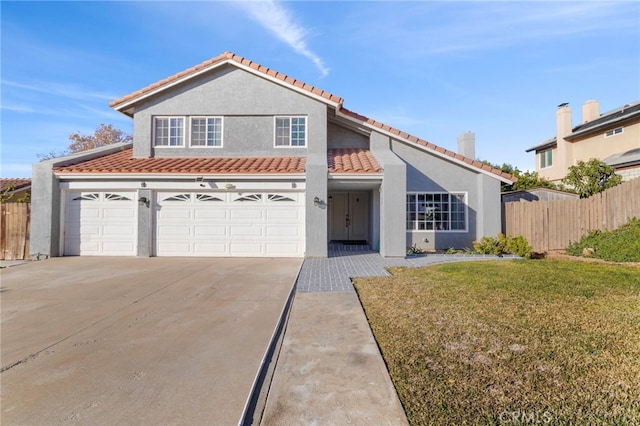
(7, 195)
(530, 180)
(105, 134)
(591, 177)
(526, 180)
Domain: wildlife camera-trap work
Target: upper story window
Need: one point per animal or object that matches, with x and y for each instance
(436, 211)
(168, 131)
(546, 158)
(291, 131)
(613, 132)
(206, 131)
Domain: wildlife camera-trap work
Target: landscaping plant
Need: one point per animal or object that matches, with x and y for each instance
(619, 245)
(504, 244)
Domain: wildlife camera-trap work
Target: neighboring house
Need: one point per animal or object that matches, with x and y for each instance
(15, 189)
(230, 158)
(613, 137)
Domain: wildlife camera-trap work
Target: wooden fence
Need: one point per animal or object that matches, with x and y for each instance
(15, 226)
(553, 225)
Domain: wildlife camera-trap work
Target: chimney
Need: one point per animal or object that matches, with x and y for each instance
(590, 111)
(563, 121)
(467, 145)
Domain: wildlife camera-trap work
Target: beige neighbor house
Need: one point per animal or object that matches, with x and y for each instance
(613, 137)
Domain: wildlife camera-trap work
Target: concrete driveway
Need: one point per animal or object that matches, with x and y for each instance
(136, 340)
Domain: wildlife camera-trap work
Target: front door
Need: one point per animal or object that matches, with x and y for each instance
(348, 215)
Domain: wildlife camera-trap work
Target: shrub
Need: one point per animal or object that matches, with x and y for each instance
(504, 244)
(619, 245)
(414, 249)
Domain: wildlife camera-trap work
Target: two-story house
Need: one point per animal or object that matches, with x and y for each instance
(231, 158)
(613, 137)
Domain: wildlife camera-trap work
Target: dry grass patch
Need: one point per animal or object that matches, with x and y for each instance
(551, 342)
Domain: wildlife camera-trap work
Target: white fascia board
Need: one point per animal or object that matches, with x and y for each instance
(123, 106)
(173, 176)
(426, 149)
(359, 177)
(184, 186)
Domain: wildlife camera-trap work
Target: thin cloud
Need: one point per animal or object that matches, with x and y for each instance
(17, 108)
(58, 89)
(280, 21)
(429, 28)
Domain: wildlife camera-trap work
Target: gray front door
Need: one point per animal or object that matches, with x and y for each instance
(348, 216)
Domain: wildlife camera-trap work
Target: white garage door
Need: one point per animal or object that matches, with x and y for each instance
(100, 224)
(229, 224)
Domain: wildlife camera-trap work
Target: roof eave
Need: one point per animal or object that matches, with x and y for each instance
(602, 126)
(442, 154)
(178, 176)
(356, 175)
(126, 106)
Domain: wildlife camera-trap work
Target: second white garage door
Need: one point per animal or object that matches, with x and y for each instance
(229, 224)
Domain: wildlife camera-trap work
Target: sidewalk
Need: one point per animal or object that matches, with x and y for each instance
(329, 370)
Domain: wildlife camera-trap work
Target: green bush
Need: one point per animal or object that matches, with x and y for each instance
(619, 245)
(504, 244)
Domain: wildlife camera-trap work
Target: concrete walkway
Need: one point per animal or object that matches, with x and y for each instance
(329, 370)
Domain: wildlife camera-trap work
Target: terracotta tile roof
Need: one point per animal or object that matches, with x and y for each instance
(339, 160)
(14, 183)
(228, 56)
(426, 144)
(123, 162)
(221, 58)
(352, 161)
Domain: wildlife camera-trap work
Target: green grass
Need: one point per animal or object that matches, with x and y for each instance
(511, 341)
(619, 245)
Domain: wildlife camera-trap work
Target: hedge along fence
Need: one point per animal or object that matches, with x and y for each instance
(15, 227)
(553, 225)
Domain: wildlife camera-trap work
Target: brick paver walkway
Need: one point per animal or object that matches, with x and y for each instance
(345, 262)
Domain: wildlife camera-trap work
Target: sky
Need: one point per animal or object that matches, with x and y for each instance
(431, 69)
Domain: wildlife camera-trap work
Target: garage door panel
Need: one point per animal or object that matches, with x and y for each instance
(118, 213)
(202, 231)
(110, 248)
(282, 249)
(216, 214)
(251, 231)
(245, 249)
(175, 231)
(174, 213)
(174, 248)
(210, 249)
(283, 214)
(87, 231)
(89, 248)
(117, 231)
(282, 231)
(250, 213)
(86, 213)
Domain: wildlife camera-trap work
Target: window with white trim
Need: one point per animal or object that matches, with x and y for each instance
(546, 158)
(206, 132)
(613, 132)
(436, 211)
(290, 131)
(168, 131)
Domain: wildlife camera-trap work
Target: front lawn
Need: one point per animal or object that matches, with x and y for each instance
(510, 342)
